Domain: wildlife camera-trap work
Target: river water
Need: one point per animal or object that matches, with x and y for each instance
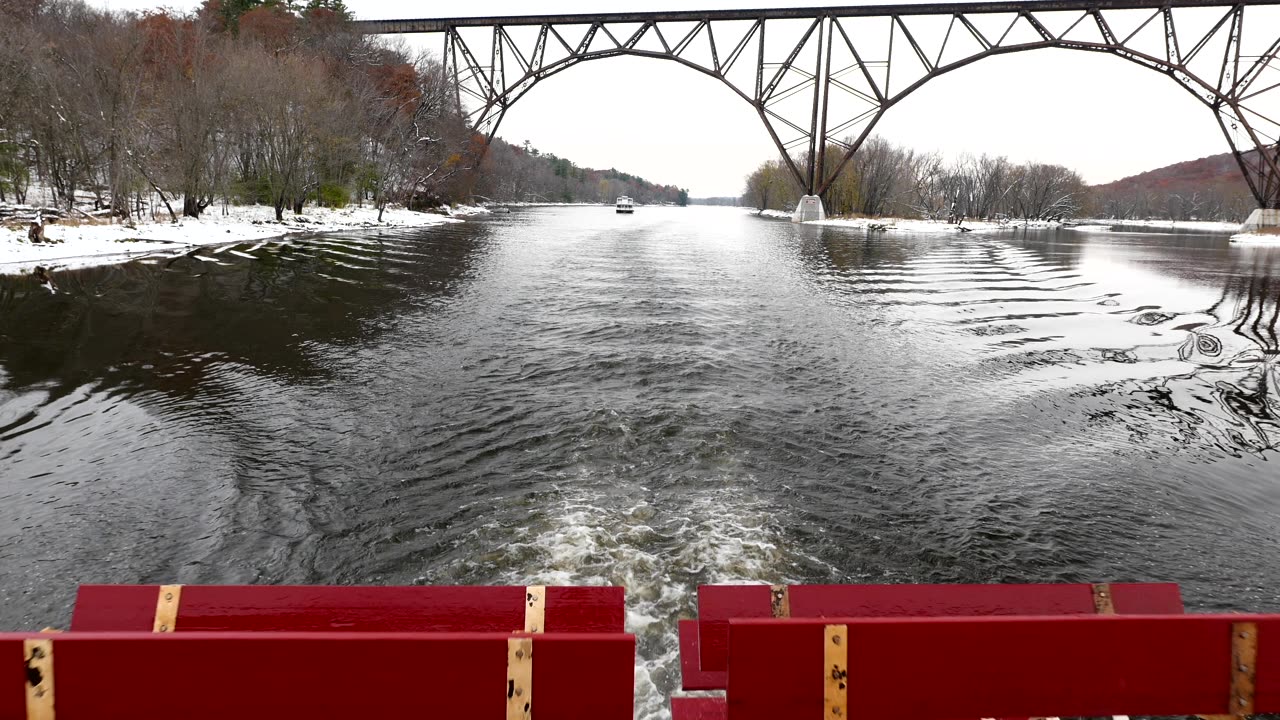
(681, 396)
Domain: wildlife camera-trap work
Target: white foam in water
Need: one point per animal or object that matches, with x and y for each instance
(661, 555)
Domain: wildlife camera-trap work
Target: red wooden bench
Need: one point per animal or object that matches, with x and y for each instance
(276, 608)
(252, 675)
(704, 642)
(930, 668)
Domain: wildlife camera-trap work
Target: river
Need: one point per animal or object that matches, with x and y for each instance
(681, 396)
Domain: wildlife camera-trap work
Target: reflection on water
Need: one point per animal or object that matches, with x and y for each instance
(1233, 395)
(659, 400)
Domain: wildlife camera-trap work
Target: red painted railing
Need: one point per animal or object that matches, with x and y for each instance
(930, 668)
(294, 608)
(318, 676)
(832, 652)
(718, 604)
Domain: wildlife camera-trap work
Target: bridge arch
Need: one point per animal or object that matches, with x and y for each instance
(842, 69)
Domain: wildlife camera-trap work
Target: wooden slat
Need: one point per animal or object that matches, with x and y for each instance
(835, 672)
(691, 676)
(717, 604)
(265, 608)
(780, 601)
(926, 668)
(213, 676)
(535, 608)
(39, 681)
(519, 678)
(1103, 601)
(1244, 663)
(168, 601)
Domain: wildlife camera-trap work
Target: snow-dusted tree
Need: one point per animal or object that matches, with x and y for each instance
(18, 42)
(926, 177)
(413, 143)
(879, 168)
(1046, 192)
(188, 114)
(280, 101)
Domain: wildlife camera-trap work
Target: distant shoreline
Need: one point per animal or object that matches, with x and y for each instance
(917, 225)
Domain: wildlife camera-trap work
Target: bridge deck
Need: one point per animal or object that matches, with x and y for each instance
(428, 25)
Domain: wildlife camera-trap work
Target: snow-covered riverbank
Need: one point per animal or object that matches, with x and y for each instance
(1083, 225)
(1257, 238)
(1192, 225)
(915, 225)
(84, 244)
(925, 226)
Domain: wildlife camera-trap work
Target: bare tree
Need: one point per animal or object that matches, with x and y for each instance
(1046, 192)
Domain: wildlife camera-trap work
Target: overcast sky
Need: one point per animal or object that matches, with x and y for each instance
(1103, 116)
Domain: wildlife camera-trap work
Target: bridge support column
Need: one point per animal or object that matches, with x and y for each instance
(1262, 219)
(809, 209)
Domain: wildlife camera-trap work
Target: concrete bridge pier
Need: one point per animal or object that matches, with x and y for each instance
(1260, 219)
(810, 208)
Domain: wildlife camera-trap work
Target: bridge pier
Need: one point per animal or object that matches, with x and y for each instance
(1262, 219)
(809, 209)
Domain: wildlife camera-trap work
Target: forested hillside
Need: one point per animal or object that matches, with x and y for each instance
(1210, 188)
(248, 102)
(512, 173)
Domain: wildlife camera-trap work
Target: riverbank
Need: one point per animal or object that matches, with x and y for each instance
(927, 226)
(912, 225)
(984, 226)
(1257, 238)
(1098, 225)
(84, 243)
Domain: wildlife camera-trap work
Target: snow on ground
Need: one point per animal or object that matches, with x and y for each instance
(905, 224)
(937, 226)
(1204, 225)
(1254, 238)
(922, 226)
(98, 244)
(777, 214)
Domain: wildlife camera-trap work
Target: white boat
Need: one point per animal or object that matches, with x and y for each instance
(625, 205)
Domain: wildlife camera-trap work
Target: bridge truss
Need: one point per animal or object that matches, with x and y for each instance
(824, 77)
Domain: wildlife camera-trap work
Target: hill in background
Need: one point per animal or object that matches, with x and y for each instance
(1210, 188)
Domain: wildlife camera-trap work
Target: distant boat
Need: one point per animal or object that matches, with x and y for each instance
(625, 205)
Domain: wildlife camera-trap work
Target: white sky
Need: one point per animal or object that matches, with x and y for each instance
(1103, 116)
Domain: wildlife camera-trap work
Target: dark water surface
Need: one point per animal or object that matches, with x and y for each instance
(563, 395)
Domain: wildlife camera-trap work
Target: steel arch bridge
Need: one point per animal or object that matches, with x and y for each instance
(822, 77)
